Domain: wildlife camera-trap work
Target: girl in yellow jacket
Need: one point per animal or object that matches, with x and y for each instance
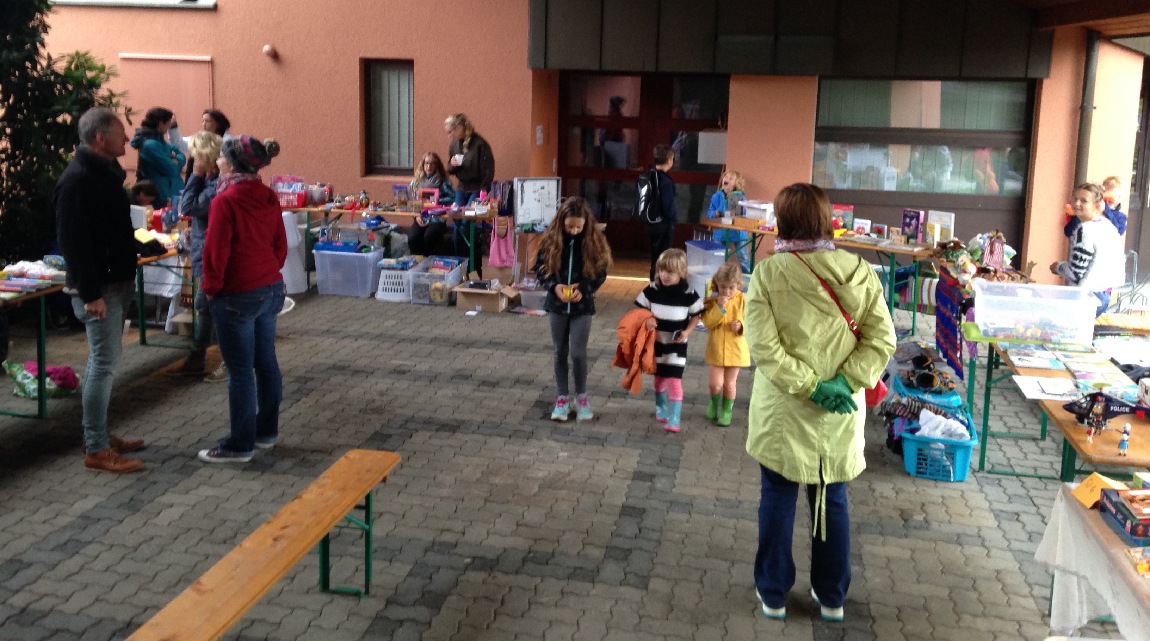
(726, 346)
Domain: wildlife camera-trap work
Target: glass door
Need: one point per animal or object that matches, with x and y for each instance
(609, 126)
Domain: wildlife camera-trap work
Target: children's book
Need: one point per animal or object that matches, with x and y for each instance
(878, 230)
(1034, 358)
(945, 222)
(912, 220)
(862, 226)
(842, 217)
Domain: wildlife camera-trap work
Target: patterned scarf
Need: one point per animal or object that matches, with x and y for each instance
(802, 245)
(227, 180)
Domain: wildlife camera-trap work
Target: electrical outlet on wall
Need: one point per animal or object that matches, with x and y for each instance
(538, 135)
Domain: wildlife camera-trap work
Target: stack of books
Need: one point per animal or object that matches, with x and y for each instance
(1128, 513)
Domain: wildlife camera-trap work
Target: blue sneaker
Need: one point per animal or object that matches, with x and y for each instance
(220, 455)
(561, 410)
(827, 614)
(583, 409)
(771, 613)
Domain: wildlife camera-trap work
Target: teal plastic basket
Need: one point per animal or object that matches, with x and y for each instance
(937, 459)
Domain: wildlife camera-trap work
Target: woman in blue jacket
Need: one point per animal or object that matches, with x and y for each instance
(160, 161)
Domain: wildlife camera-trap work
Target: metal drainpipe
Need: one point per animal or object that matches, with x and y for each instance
(1086, 115)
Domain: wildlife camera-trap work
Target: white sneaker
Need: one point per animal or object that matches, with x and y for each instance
(219, 375)
(828, 614)
(768, 611)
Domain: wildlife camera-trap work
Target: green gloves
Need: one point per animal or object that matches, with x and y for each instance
(835, 396)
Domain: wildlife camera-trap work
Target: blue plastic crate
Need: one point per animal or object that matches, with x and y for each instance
(936, 458)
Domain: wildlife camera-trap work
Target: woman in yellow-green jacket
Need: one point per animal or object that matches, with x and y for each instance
(805, 423)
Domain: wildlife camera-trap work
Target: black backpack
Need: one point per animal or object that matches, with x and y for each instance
(649, 206)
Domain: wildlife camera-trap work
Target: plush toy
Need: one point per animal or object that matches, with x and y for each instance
(966, 269)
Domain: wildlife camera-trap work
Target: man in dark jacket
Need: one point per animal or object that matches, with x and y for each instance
(94, 229)
(663, 232)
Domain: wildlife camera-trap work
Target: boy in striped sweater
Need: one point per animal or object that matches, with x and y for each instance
(676, 307)
(1096, 260)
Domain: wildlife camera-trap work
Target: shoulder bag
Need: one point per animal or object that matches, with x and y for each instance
(875, 394)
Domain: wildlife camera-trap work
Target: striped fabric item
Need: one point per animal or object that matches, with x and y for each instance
(674, 308)
(926, 295)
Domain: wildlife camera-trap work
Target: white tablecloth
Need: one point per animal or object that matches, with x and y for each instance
(1092, 577)
(162, 278)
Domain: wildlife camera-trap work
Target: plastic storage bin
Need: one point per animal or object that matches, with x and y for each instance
(394, 285)
(704, 257)
(936, 458)
(1046, 313)
(429, 288)
(533, 299)
(345, 274)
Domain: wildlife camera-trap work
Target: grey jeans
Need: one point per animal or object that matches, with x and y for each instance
(105, 343)
(569, 336)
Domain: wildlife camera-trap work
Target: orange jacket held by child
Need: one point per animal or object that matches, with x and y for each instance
(636, 350)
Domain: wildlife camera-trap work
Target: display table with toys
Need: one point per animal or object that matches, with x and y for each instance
(37, 292)
(1093, 574)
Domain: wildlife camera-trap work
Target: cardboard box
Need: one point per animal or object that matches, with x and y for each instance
(1111, 505)
(484, 300)
(1089, 491)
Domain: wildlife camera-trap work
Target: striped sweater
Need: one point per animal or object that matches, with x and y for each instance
(675, 309)
(1096, 257)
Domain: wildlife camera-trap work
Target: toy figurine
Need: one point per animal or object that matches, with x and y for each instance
(1090, 429)
(1124, 443)
(993, 252)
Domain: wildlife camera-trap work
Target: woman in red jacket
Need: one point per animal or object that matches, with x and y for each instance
(244, 250)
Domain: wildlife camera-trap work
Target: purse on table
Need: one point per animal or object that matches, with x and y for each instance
(878, 391)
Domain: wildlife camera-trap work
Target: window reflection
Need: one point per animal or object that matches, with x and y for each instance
(603, 95)
(700, 97)
(937, 169)
(606, 147)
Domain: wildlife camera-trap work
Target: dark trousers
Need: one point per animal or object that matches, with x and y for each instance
(661, 235)
(830, 559)
(424, 240)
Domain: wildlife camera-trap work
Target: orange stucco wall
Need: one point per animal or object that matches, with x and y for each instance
(1053, 148)
(468, 56)
(771, 131)
(544, 122)
(1117, 86)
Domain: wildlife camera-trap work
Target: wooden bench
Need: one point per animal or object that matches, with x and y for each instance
(209, 607)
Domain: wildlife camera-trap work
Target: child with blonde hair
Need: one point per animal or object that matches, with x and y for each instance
(195, 201)
(675, 307)
(731, 184)
(726, 346)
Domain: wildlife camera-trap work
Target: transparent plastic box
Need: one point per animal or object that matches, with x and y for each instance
(429, 288)
(705, 256)
(1046, 313)
(346, 273)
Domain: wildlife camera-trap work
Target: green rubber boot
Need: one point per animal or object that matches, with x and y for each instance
(725, 412)
(713, 407)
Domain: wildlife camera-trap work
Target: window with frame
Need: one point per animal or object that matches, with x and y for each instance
(938, 137)
(390, 116)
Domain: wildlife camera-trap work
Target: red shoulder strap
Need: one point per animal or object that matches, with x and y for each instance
(850, 321)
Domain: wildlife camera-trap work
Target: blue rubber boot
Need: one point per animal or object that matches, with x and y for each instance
(674, 410)
(661, 412)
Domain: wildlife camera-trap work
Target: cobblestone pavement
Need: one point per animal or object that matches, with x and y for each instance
(498, 524)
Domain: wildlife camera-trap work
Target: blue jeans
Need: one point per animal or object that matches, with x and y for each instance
(202, 338)
(463, 227)
(830, 559)
(105, 344)
(246, 331)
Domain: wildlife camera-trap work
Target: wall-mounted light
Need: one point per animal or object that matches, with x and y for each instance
(270, 51)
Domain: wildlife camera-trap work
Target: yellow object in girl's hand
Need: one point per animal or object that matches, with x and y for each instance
(568, 291)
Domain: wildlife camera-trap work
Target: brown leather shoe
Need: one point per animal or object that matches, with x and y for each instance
(109, 460)
(125, 445)
(119, 444)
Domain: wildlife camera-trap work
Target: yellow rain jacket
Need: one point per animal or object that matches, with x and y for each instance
(798, 337)
(725, 347)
